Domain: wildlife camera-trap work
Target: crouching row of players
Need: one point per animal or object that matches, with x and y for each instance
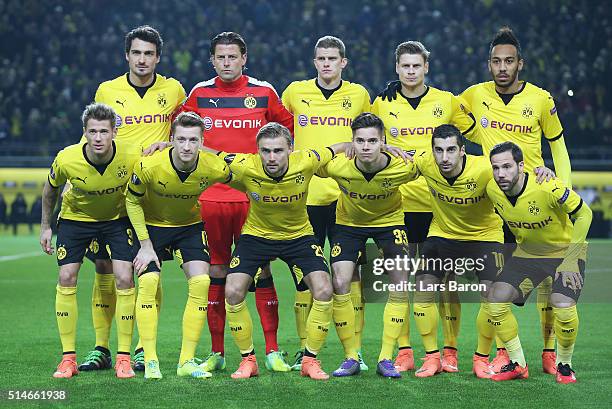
(159, 211)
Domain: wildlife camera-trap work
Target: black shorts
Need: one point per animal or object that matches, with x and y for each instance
(74, 237)
(323, 221)
(348, 242)
(484, 259)
(417, 225)
(525, 274)
(188, 243)
(98, 250)
(303, 255)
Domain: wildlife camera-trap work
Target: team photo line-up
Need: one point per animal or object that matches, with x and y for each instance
(232, 176)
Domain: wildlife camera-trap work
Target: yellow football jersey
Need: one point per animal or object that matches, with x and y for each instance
(321, 122)
(142, 121)
(538, 216)
(411, 129)
(461, 208)
(168, 196)
(277, 208)
(369, 199)
(528, 115)
(94, 192)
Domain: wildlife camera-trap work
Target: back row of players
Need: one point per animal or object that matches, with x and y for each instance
(233, 108)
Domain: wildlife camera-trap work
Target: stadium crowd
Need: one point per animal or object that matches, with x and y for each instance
(55, 55)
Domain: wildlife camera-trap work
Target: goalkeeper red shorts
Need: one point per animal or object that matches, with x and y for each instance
(222, 222)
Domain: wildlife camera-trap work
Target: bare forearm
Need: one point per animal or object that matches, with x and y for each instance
(49, 200)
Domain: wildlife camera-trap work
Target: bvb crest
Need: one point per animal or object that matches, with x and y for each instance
(533, 208)
(250, 102)
(161, 99)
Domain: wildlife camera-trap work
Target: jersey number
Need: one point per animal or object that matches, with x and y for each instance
(400, 236)
(130, 235)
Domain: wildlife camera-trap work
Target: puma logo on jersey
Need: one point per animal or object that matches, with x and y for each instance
(122, 103)
(162, 183)
(346, 180)
(307, 102)
(394, 114)
(81, 179)
(214, 102)
(256, 181)
(487, 105)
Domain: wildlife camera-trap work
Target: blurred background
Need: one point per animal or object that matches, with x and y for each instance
(55, 54)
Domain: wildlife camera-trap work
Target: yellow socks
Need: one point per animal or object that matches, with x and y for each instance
(124, 316)
(344, 319)
(485, 328)
(394, 318)
(318, 325)
(426, 319)
(359, 307)
(241, 326)
(146, 314)
(450, 313)
(506, 328)
(566, 328)
(547, 317)
(158, 302)
(194, 315)
(66, 313)
(301, 308)
(103, 302)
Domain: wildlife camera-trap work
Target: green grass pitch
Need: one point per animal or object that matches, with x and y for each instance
(30, 350)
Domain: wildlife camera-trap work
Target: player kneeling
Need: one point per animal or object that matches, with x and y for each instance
(548, 245)
(93, 207)
(162, 203)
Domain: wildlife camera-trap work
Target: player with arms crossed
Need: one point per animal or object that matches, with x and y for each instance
(370, 206)
(234, 107)
(410, 120)
(162, 205)
(144, 102)
(93, 207)
(323, 110)
(549, 246)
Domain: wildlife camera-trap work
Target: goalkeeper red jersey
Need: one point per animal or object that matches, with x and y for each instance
(233, 113)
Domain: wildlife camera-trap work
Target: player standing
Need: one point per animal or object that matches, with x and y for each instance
(162, 205)
(507, 109)
(234, 107)
(410, 120)
(549, 246)
(370, 206)
(93, 207)
(276, 181)
(323, 110)
(144, 102)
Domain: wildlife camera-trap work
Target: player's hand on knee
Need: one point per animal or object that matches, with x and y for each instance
(157, 146)
(45, 240)
(543, 173)
(570, 279)
(145, 256)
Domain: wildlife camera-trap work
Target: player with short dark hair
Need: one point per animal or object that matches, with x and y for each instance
(96, 173)
(162, 205)
(323, 109)
(234, 107)
(144, 102)
(549, 246)
(509, 109)
(368, 207)
(464, 227)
